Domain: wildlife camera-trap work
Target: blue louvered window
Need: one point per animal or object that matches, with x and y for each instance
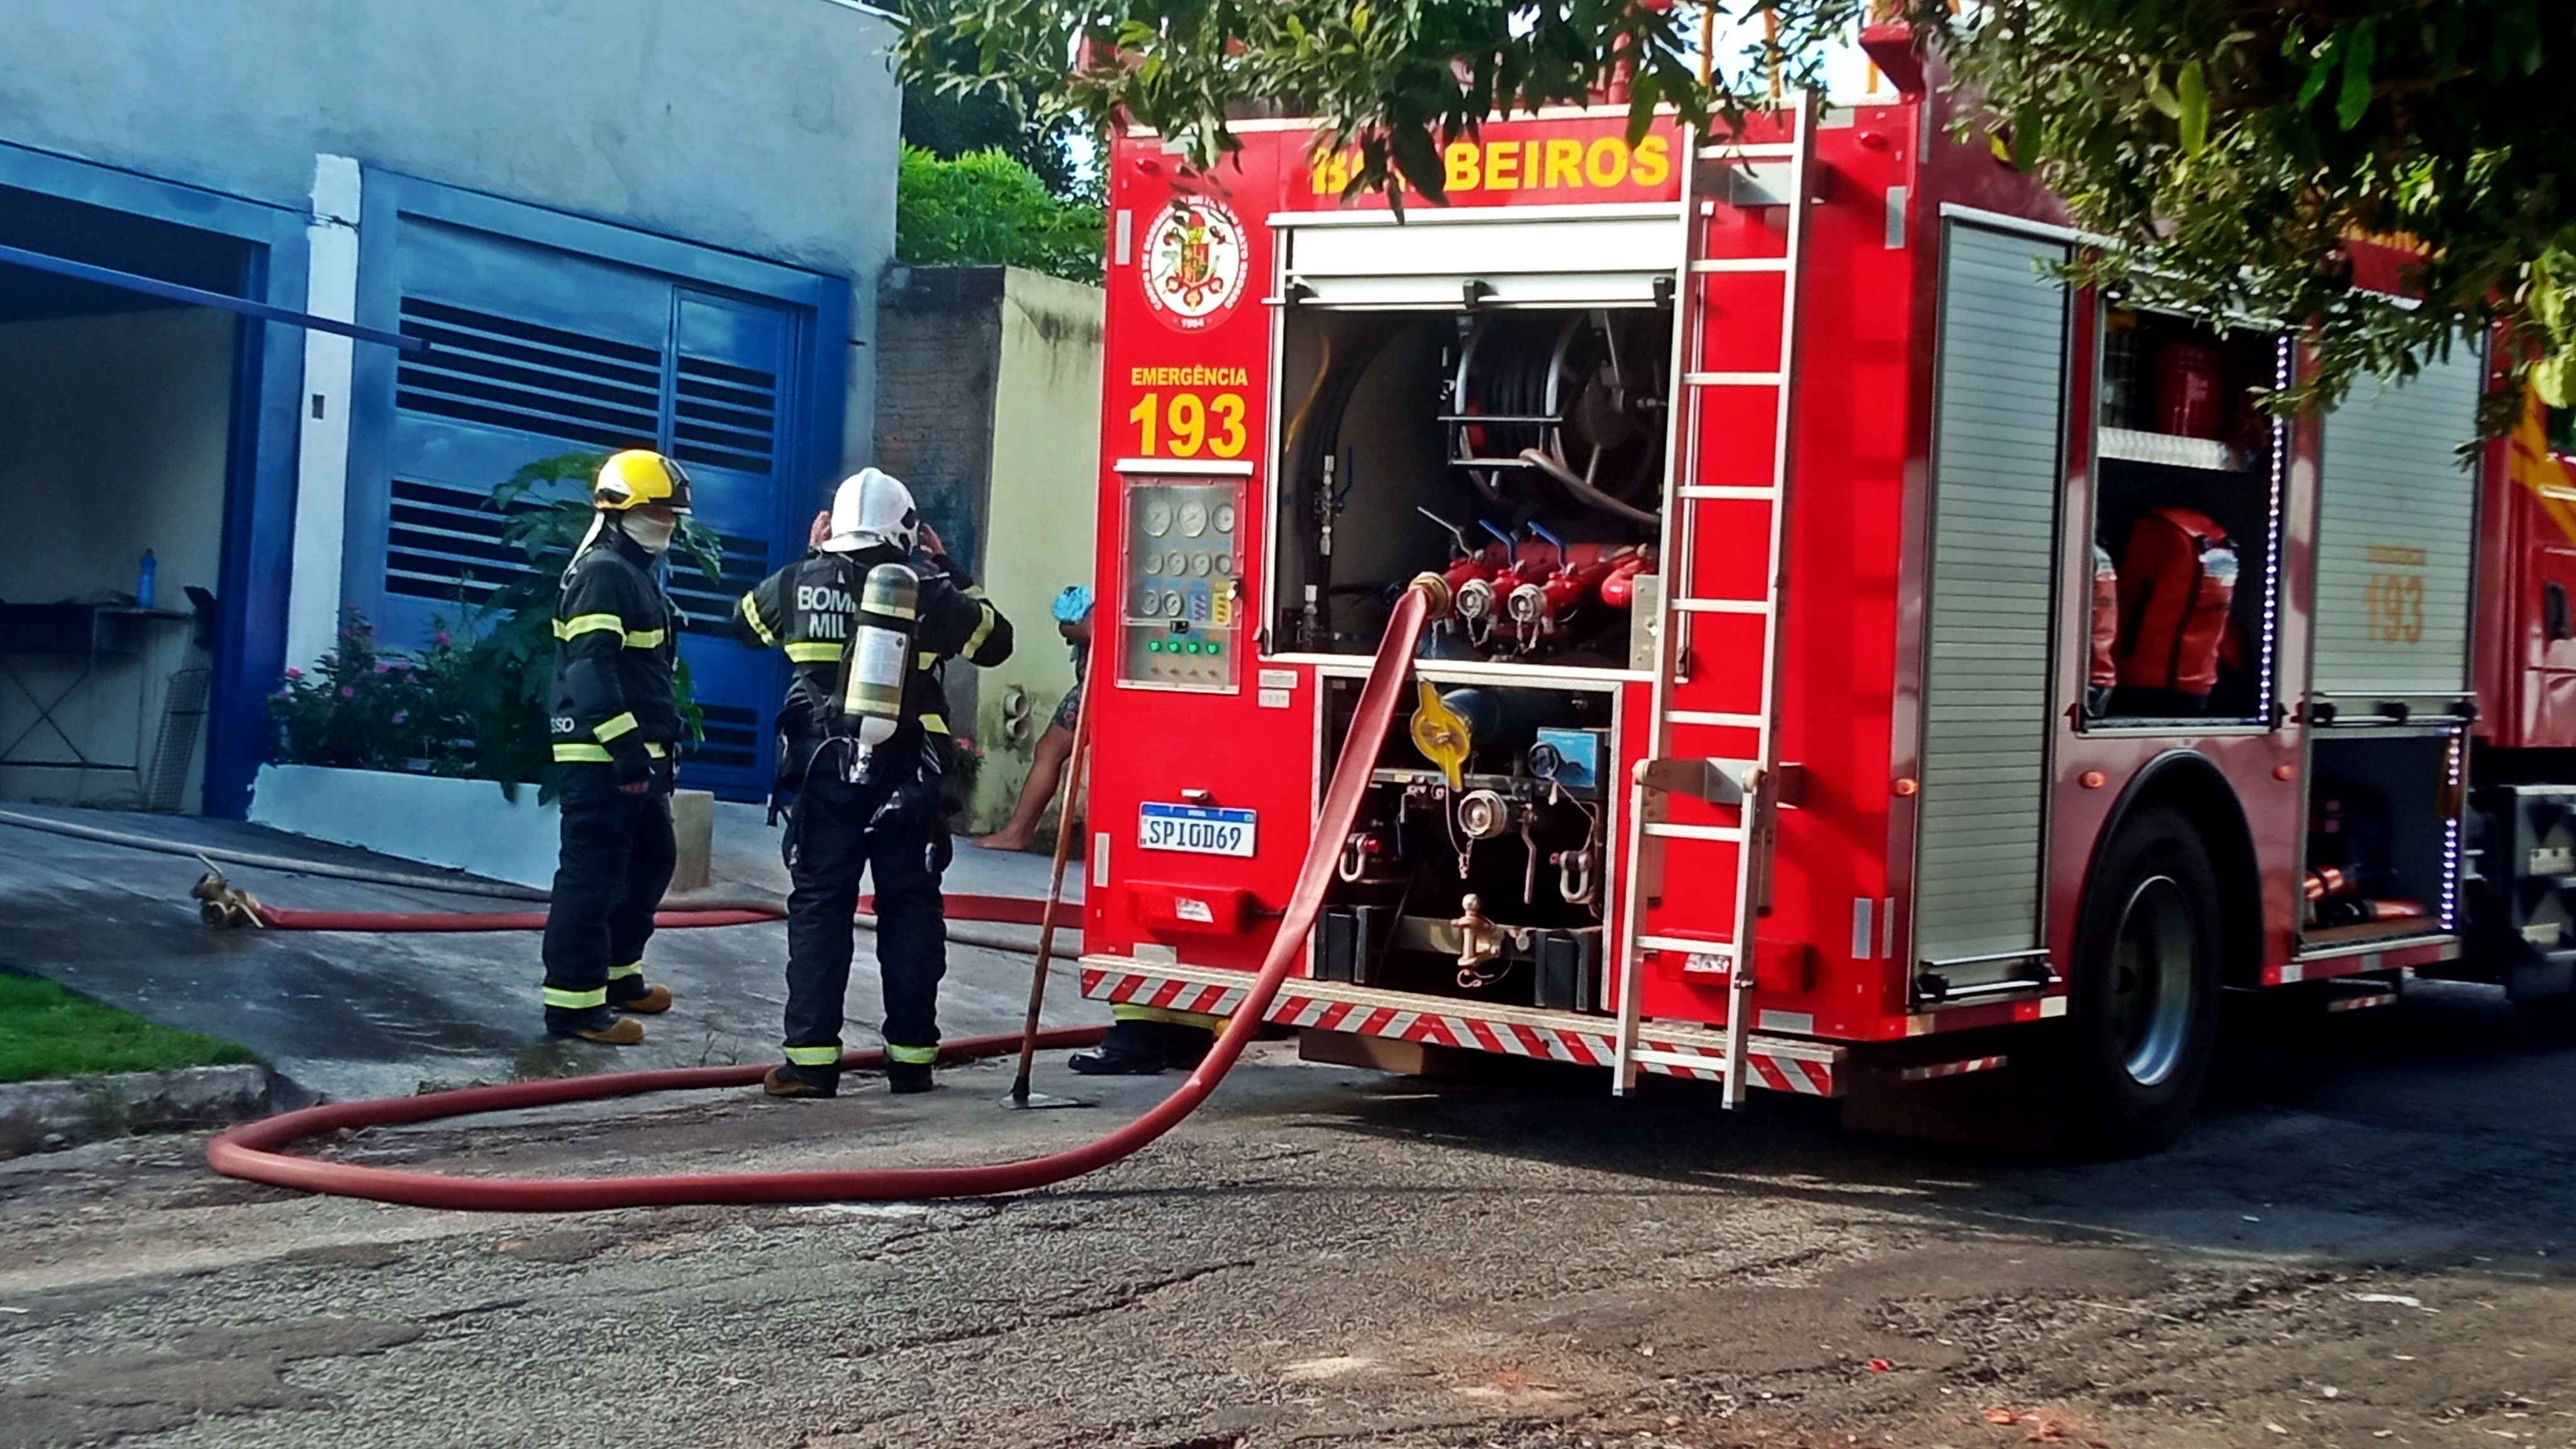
(536, 350)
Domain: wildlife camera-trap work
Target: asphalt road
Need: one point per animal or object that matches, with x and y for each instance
(2361, 1244)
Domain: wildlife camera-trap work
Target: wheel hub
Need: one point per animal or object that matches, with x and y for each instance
(2152, 979)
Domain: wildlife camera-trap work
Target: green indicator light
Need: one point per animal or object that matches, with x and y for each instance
(1153, 646)
(1211, 647)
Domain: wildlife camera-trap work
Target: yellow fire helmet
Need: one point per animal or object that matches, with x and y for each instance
(637, 477)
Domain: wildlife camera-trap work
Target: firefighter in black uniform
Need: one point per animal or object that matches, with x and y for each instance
(880, 806)
(614, 728)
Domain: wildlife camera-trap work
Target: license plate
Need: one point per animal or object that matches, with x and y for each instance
(1196, 829)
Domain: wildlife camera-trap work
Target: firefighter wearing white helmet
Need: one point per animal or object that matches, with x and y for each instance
(614, 728)
(869, 618)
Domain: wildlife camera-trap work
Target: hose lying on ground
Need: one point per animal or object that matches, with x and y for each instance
(680, 912)
(279, 918)
(961, 910)
(252, 1151)
(686, 909)
(224, 906)
(459, 885)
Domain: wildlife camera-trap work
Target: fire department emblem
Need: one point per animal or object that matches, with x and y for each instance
(1194, 264)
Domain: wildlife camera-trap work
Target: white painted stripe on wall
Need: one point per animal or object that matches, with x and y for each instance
(322, 457)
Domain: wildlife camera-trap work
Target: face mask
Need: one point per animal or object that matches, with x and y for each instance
(654, 535)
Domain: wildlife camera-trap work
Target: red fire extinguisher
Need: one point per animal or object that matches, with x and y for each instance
(2188, 404)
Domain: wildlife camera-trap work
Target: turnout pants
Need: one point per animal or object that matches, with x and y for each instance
(896, 832)
(617, 858)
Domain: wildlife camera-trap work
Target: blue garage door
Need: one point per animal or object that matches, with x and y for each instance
(536, 351)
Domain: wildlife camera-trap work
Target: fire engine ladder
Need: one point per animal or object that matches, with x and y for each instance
(1701, 803)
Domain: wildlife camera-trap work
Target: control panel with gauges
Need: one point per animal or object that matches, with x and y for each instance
(1181, 597)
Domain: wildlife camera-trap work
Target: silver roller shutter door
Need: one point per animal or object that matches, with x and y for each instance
(1996, 481)
(2396, 533)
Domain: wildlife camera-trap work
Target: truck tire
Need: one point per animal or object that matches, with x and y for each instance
(2143, 1023)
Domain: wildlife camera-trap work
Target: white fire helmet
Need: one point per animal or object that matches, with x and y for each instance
(870, 509)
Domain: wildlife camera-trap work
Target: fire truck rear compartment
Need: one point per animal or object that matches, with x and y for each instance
(2381, 836)
(1492, 889)
(1519, 451)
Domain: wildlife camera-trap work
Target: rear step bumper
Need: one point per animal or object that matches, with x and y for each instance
(1783, 1064)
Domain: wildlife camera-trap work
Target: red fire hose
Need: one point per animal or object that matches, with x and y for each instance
(277, 918)
(1002, 910)
(252, 1151)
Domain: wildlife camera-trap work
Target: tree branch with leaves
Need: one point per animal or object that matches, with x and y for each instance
(2232, 149)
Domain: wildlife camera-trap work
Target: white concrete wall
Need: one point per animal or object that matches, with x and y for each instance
(1044, 492)
(117, 428)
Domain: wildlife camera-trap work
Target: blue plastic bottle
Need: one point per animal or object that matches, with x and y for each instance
(143, 581)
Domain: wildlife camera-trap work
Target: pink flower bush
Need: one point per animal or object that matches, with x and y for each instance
(366, 707)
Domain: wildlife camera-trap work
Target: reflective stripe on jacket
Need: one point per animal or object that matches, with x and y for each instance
(805, 610)
(616, 637)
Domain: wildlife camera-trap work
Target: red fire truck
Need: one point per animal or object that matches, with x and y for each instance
(1821, 572)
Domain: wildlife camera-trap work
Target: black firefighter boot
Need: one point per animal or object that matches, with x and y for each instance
(1185, 1046)
(1128, 1049)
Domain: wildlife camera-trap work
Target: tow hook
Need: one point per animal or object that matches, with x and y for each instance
(1479, 939)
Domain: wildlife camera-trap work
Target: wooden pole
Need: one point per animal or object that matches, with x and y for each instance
(1075, 765)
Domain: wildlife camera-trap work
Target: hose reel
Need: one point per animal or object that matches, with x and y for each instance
(1562, 404)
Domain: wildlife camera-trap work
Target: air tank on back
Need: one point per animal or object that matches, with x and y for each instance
(879, 658)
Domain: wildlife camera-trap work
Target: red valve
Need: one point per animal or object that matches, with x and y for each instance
(1620, 589)
(1462, 572)
(1562, 590)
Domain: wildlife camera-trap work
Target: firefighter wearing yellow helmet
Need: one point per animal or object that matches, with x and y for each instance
(614, 728)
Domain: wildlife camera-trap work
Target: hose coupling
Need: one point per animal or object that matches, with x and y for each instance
(1435, 592)
(221, 905)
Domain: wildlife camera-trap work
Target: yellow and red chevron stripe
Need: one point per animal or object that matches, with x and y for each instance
(1805, 1068)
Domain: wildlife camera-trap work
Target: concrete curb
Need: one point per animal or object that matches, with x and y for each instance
(46, 1116)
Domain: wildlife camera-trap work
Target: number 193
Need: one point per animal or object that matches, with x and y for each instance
(1182, 427)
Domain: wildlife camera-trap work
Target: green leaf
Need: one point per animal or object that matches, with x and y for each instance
(2358, 53)
(2024, 150)
(2554, 378)
(2518, 41)
(2321, 70)
(2192, 89)
(2549, 301)
(1645, 92)
(1419, 161)
(2449, 33)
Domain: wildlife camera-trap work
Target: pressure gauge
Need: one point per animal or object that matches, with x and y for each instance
(1153, 563)
(1225, 565)
(1199, 564)
(1149, 604)
(1194, 518)
(1158, 518)
(1225, 518)
(1172, 604)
